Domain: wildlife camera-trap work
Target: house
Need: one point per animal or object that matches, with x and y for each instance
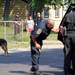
(56, 14)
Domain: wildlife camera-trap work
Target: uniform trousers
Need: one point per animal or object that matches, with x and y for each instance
(69, 53)
(35, 54)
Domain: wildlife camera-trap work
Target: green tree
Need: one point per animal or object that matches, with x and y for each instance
(6, 9)
(18, 6)
(68, 2)
(1, 2)
(38, 5)
(11, 6)
(1, 10)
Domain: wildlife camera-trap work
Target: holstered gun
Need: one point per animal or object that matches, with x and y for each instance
(64, 31)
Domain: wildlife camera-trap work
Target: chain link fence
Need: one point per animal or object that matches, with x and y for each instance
(15, 34)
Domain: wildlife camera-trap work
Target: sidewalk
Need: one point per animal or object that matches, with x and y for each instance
(46, 44)
(52, 44)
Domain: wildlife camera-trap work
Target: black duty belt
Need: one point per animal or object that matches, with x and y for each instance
(72, 32)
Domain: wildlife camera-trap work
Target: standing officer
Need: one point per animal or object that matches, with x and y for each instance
(67, 30)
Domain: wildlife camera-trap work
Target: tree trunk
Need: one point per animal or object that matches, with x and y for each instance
(6, 10)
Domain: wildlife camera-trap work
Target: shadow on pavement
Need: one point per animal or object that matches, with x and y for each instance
(19, 72)
(51, 73)
(41, 73)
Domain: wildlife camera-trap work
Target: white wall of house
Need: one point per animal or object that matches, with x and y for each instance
(55, 14)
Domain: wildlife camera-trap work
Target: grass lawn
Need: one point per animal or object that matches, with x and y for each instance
(20, 40)
(52, 36)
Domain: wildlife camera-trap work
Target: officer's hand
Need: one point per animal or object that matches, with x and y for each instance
(55, 30)
(38, 46)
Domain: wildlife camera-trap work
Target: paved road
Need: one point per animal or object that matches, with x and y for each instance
(18, 62)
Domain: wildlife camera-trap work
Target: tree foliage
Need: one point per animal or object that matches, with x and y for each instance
(38, 5)
(1, 3)
(6, 9)
(22, 5)
(11, 7)
(68, 2)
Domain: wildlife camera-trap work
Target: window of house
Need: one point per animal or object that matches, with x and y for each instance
(46, 12)
(57, 15)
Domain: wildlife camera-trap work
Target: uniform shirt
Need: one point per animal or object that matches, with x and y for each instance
(69, 21)
(41, 32)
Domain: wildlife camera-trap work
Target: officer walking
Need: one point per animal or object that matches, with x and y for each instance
(67, 30)
(39, 33)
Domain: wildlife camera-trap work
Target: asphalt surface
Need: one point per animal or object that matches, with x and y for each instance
(18, 61)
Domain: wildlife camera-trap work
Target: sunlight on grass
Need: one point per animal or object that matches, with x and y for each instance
(20, 40)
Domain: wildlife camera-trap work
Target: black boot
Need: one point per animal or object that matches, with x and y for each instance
(34, 68)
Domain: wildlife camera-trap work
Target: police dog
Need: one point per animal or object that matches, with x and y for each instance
(3, 45)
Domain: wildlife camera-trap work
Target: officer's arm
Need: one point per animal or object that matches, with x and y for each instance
(50, 26)
(34, 35)
(34, 40)
(37, 45)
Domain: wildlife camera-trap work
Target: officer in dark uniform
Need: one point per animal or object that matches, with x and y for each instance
(37, 36)
(67, 30)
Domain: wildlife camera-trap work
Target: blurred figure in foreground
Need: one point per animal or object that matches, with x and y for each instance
(67, 32)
